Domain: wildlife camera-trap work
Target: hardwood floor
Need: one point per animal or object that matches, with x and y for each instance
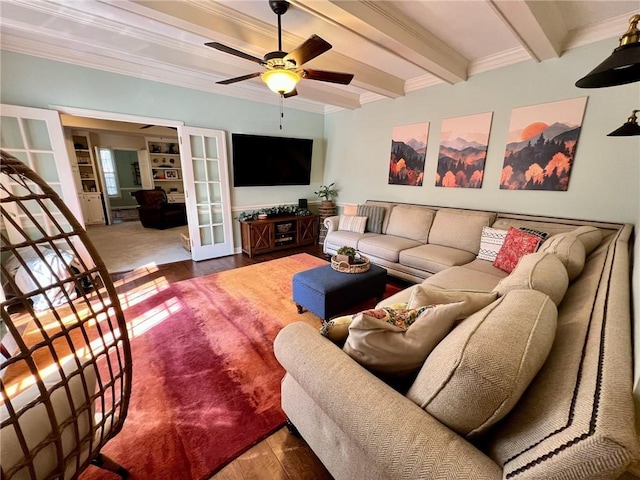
(282, 456)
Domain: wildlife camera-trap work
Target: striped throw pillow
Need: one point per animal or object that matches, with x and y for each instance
(352, 223)
(375, 217)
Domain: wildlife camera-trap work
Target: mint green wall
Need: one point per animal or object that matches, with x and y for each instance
(605, 180)
(67, 85)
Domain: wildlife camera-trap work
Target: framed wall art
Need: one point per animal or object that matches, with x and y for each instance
(463, 151)
(408, 152)
(541, 145)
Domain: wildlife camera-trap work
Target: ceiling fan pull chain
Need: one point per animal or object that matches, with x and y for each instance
(281, 109)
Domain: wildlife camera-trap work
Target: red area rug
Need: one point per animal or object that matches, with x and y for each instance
(206, 384)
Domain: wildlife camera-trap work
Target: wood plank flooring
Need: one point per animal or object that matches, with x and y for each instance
(282, 456)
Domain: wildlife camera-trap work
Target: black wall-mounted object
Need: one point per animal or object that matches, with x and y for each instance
(260, 161)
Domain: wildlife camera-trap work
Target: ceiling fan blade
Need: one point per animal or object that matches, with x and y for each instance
(308, 50)
(324, 76)
(233, 51)
(292, 93)
(149, 126)
(238, 79)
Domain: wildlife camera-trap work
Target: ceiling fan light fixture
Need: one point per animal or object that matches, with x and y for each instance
(281, 81)
(629, 128)
(622, 66)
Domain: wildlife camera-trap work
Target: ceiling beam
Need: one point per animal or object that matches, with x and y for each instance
(538, 26)
(216, 22)
(383, 24)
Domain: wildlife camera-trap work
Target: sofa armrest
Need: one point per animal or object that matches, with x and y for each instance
(331, 223)
(391, 431)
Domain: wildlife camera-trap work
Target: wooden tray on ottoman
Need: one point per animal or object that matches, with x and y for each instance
(361, 264)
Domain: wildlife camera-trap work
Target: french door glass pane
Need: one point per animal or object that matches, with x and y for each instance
(211, 145)
(10, 136)
(218, 234)
(203, 216)
(215, 193)
(205, 236)
(213, 170)
(201, 193)
(37, 134)
(44, 164)
(196, 147)
(198, 169)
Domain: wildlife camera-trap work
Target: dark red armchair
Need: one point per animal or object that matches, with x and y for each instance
(156, 212)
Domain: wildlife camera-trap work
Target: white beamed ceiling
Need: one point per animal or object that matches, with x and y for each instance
(392, 47)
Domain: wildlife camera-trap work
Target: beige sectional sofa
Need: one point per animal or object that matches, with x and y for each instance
(488, 401)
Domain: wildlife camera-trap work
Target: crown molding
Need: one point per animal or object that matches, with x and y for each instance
(143, 68)
(612, 28)
(499, 60)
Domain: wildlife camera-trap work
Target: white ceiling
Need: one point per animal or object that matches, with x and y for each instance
(392, 47)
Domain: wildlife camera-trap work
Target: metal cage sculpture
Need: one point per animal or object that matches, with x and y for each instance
(65, 370)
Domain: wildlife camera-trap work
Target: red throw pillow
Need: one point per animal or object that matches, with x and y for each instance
(516, 245)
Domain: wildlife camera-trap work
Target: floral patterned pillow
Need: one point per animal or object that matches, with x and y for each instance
(516, 245)
(401, 318)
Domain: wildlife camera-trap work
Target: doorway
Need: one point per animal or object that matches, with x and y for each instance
(204, 173)
(122, 242)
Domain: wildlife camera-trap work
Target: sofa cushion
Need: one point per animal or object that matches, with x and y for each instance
(569, 249)
(475, 376)
(340, 238)
(352, 223)
(491, 240)
(387, 247)
(434, 258)
(589, 236)
(516, 245)
(410, 221)
(459, 229)
(380, 345)
(485, 266)
(375, 217)
(472, 300)
(464, 278)
(537, 271)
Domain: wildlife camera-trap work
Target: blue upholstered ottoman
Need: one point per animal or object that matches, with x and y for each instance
(326, 292)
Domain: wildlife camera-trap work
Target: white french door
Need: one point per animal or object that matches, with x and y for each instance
(203, 154)
(35, 137)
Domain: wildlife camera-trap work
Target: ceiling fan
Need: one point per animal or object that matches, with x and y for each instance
(284, 70)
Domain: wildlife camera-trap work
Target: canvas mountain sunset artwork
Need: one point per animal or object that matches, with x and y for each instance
(463, 151)
(541, 145)
(408, 152)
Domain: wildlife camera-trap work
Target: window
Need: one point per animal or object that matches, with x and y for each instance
(109, 172)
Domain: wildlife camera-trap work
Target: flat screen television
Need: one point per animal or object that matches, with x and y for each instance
(260, 161)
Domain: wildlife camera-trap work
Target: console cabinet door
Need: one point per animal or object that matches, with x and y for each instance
(307, 232)
(261, 236)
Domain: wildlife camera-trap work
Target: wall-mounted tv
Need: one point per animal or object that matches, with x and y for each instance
(260, 161)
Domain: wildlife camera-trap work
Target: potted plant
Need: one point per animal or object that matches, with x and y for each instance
(346, 254)
(327, 193)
